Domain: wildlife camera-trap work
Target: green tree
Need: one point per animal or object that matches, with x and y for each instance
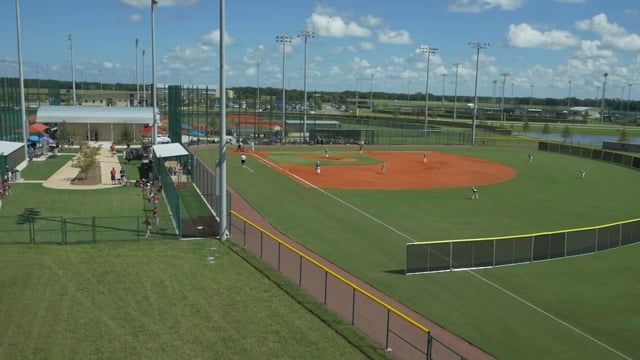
(624, 137)
(127, 134)
(566, 133)
(546, 129)
(86, 160)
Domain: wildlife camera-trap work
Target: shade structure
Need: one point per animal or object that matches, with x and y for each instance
(146, 131)
(34, 139)
(196, 134)
(37, 128)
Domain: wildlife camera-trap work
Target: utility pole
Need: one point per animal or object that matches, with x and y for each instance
(477, 46)
(455, 93)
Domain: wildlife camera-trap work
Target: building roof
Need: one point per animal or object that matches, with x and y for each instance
(169, 150)
(94, 115)
(8, 147)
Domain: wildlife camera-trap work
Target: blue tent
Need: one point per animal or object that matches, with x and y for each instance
(34, 139)
(196, 134)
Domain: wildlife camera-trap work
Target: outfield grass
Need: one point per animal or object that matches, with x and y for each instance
(157, 300)
(483, 306)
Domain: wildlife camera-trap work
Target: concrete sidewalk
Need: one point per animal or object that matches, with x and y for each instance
(62, 178)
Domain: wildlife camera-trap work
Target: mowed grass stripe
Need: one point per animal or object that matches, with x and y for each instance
(151, 300)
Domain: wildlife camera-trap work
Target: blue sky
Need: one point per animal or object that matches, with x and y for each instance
(551, 48)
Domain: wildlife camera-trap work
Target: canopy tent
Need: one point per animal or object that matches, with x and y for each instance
(196, 134)
(34, 139)
(37, 128)
(146, 131)
(169, 150)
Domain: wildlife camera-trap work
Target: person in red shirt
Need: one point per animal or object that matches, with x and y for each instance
(113, 176)
(155, 215)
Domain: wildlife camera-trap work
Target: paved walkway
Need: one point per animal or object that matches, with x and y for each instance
(62, 178)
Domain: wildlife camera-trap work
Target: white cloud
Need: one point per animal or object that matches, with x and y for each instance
(365, 45)
(371, 20)
(110, 66)
(135, 18)
(333, 26)
(600, 25)
(213, 38)
(484, 5)
(187, 54)
(359, 63)
(142, 4)
(589, 48)
(525, 36)
(335, 71)
(628, 42)
(398, 37)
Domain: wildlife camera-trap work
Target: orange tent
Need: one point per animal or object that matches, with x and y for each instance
(37, 128)
(146, 131)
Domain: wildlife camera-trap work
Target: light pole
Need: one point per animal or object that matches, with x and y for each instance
(504, 83)
(495, 86)
(357, 95)
(427, 50)
(257, 104)
(23, 113)
(371, 95)
(477, 46)
(154, 95)
(531, 96)
(604, 90)
(455, 93)
(569, 96)
(306, 34)
(137, 79)
(629, 97)
(144, 85)
(73, 71)
(284, 40)
(444, 76)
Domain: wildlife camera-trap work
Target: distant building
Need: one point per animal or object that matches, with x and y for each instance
(581, 111)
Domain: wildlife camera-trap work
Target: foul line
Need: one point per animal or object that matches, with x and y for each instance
(371, 217)
(248, 168)
(550, 315)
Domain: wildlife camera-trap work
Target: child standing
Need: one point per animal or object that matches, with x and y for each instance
(147, 222)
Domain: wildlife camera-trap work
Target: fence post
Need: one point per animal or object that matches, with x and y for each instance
(93, 229)
(63, 229)
(32, 230)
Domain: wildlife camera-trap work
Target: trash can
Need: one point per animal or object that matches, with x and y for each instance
(55, 151)
(16, 175)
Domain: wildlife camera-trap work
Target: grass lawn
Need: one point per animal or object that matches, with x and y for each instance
(157, 300)
(485, 307)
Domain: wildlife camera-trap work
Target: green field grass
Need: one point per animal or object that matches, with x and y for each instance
(505, 311)
(159, 300)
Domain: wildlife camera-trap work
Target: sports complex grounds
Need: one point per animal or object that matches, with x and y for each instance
(144, 297)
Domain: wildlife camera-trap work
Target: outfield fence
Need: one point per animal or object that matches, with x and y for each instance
(487, 252)
(386, 326)
(614, 157)
(33, 229)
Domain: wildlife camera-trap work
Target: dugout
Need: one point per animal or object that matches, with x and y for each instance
(342, 136)
(12, 155)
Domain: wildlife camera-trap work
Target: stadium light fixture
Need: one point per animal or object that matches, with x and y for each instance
(477, 46)
(427, 50)
(284, 40)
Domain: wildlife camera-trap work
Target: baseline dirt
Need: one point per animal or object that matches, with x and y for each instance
(404, 171)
